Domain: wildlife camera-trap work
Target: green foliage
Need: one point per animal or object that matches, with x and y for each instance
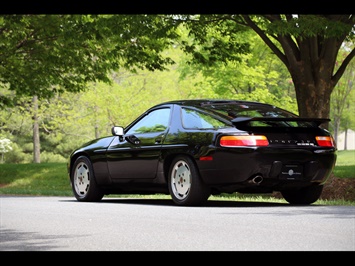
(72, 50)
(18, 155)
(303, 26)
(265, 96)
(258, 76)
(50, 157)
(41, 58)
(212, 39)
(343, 97)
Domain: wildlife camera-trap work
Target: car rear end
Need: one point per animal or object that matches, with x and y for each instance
(269, 153)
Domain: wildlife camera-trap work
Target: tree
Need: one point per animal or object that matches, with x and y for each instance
(306, 44)
(42, 55)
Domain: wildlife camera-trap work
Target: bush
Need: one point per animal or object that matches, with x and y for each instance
(17, 155)
(49, 157)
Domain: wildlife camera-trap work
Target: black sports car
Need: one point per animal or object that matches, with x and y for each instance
(192, 149)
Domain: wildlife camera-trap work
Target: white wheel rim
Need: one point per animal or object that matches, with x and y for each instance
(181, 179)
(81, 179)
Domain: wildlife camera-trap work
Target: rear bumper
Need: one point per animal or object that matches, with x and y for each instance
(275, 167)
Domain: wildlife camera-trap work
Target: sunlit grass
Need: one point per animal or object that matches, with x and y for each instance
(237, 198)
(345, 164)
(346, 158)
(21, 182)
(34, 179)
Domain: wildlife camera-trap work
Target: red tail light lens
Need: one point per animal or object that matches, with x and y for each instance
(325, 141)
(233, 141)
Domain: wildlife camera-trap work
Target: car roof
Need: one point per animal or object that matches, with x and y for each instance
(212, 105)
(202, 102)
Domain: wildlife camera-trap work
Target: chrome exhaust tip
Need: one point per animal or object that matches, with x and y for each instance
(257, 179)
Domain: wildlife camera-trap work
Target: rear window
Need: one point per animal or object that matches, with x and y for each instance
(236, 109)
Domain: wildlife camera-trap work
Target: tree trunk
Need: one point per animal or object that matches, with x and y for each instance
(312, 78)
(346, 140)
(336, 130)
(313, 101)
(36, 140)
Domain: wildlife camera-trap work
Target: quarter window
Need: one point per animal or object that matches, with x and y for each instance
(198, 120)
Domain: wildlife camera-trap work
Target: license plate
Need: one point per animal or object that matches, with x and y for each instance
(291, 172)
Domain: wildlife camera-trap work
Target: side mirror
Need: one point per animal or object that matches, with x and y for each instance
(117, 131)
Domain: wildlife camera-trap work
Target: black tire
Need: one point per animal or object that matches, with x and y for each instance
(304, 196)
(185, 184)
(83, 181)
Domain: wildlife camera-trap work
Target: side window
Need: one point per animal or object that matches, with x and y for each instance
(155, 121)
(197, 120)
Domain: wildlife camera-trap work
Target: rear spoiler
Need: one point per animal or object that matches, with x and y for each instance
(243, 120)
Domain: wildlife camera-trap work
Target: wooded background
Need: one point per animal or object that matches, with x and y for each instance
(66, 79)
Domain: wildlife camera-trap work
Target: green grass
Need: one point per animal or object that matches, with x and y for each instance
(345, 165)
(51, 179)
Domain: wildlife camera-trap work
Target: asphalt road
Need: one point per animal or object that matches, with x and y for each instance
(114, 224)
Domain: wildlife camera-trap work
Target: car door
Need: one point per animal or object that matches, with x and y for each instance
(136, 154)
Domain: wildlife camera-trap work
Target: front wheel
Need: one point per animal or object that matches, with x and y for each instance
(306, 195)
(83, 181)
(185, 184)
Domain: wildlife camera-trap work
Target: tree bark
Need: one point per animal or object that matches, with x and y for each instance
(313, 98)
(36, 139)
(312, 73)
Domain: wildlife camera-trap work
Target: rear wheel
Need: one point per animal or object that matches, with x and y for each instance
(306, 195)
(83, 181)
(185, 184)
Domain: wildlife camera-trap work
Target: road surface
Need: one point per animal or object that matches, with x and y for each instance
(118, 224)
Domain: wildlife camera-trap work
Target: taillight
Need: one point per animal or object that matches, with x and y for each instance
(206, 158)
(325, 141)
(232, 141)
